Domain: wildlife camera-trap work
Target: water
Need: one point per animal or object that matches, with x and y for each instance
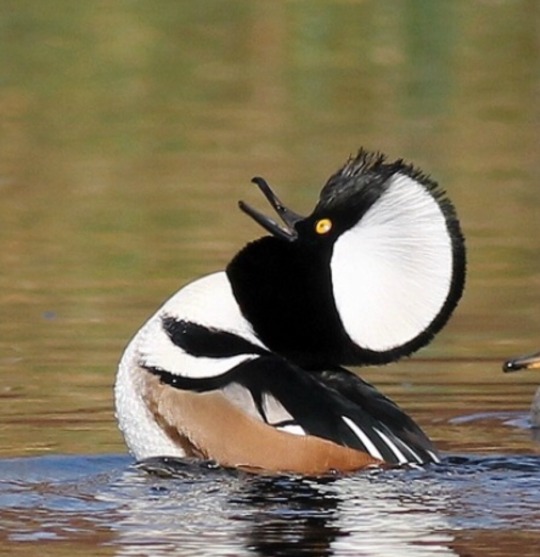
(129, 130)
(465, 506)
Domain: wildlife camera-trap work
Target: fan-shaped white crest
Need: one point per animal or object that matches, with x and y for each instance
(391, 272)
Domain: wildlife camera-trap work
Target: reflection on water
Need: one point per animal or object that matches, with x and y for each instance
(198, 510)
(128, 133)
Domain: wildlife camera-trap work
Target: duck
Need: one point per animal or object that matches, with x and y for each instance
(245, 367)
(530, 361)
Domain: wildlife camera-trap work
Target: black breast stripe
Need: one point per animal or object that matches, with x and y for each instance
(199, 385)
(201, 341)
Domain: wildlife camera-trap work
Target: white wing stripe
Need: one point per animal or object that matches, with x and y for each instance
(419, 459)
(411, 451)
(367, 442)
(292, 429)
(402, 459)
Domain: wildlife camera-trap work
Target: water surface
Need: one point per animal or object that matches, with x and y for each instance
(464, 506)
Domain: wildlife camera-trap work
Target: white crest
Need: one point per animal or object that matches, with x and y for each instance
(391, 272)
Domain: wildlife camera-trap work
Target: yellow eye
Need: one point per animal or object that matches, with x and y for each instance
(323, 226)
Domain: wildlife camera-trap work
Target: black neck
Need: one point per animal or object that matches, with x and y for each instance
(284, 291)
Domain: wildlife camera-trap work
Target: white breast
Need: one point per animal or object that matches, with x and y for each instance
(208, 301)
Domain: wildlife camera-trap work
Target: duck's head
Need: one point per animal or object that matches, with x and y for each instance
(531, 361)
(369, 276)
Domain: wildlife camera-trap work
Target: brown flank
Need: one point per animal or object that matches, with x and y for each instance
(207, 425)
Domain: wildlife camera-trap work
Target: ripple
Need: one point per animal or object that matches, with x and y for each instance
(164, 505)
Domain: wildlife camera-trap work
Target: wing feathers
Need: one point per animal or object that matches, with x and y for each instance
(211, 426)
(335, 405)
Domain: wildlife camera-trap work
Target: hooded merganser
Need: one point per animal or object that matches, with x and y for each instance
(532, 361)
(243, 366)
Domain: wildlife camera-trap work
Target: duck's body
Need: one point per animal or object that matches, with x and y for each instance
(244, 366)
(242, 405)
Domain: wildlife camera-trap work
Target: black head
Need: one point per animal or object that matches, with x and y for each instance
(370, 276)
